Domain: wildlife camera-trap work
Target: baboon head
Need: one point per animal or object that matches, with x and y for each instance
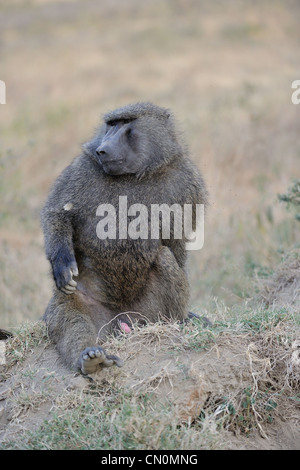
(135, 139)
(119, 148)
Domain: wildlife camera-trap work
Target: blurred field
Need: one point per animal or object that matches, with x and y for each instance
(225, 68)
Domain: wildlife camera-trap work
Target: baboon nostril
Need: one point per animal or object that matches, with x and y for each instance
(104, 150)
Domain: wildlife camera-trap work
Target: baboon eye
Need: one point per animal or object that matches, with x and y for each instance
(131, 136)
(114, 122)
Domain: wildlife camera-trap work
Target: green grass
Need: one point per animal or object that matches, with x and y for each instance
(122, 421)
(25, 339)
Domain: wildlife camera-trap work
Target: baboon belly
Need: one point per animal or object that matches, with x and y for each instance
(115, 280)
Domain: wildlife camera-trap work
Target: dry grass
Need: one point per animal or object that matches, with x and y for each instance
(283, 287)
(24, 341)
(182, 387)
(224, 68)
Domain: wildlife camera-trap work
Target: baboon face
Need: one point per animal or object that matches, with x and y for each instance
(119, 151)
(137, 139)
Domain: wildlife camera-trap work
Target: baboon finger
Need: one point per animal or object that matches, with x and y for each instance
(65, 291)
(116, 360)
(107, 362)
(72, 283)
(70, 288)
(74, 269)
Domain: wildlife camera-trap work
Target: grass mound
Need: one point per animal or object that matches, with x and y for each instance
(283, 287)
(182, 387)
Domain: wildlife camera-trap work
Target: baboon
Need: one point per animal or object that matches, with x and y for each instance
(138, 153)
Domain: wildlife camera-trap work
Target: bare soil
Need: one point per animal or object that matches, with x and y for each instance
(161, 360)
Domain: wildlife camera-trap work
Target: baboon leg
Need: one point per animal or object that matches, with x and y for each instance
(71, 326)
(167, 291)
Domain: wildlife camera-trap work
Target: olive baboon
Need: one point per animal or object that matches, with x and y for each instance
(137, 153)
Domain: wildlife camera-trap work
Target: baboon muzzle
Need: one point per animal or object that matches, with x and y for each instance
(113, 148)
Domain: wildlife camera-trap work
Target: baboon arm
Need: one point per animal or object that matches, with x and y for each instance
(177, 247)
(58, 232)
(60, 252)
(57, 222)
(59, 211)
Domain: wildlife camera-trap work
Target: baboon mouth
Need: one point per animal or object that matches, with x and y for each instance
(112, 166)
(113, 169)
(113, 162)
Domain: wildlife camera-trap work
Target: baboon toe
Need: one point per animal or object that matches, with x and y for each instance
(93, 358)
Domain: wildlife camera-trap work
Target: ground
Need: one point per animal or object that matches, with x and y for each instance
(225, 69)
(231, 385)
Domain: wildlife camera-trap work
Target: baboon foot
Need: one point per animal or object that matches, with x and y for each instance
(206, 322)
(93, 358)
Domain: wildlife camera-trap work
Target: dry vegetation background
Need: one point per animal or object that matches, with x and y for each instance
(225, 68)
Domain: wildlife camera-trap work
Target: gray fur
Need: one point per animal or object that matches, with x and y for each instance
(96, 280)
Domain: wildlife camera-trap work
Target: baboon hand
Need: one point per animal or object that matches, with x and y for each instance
(63, 271)
(93, 358)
